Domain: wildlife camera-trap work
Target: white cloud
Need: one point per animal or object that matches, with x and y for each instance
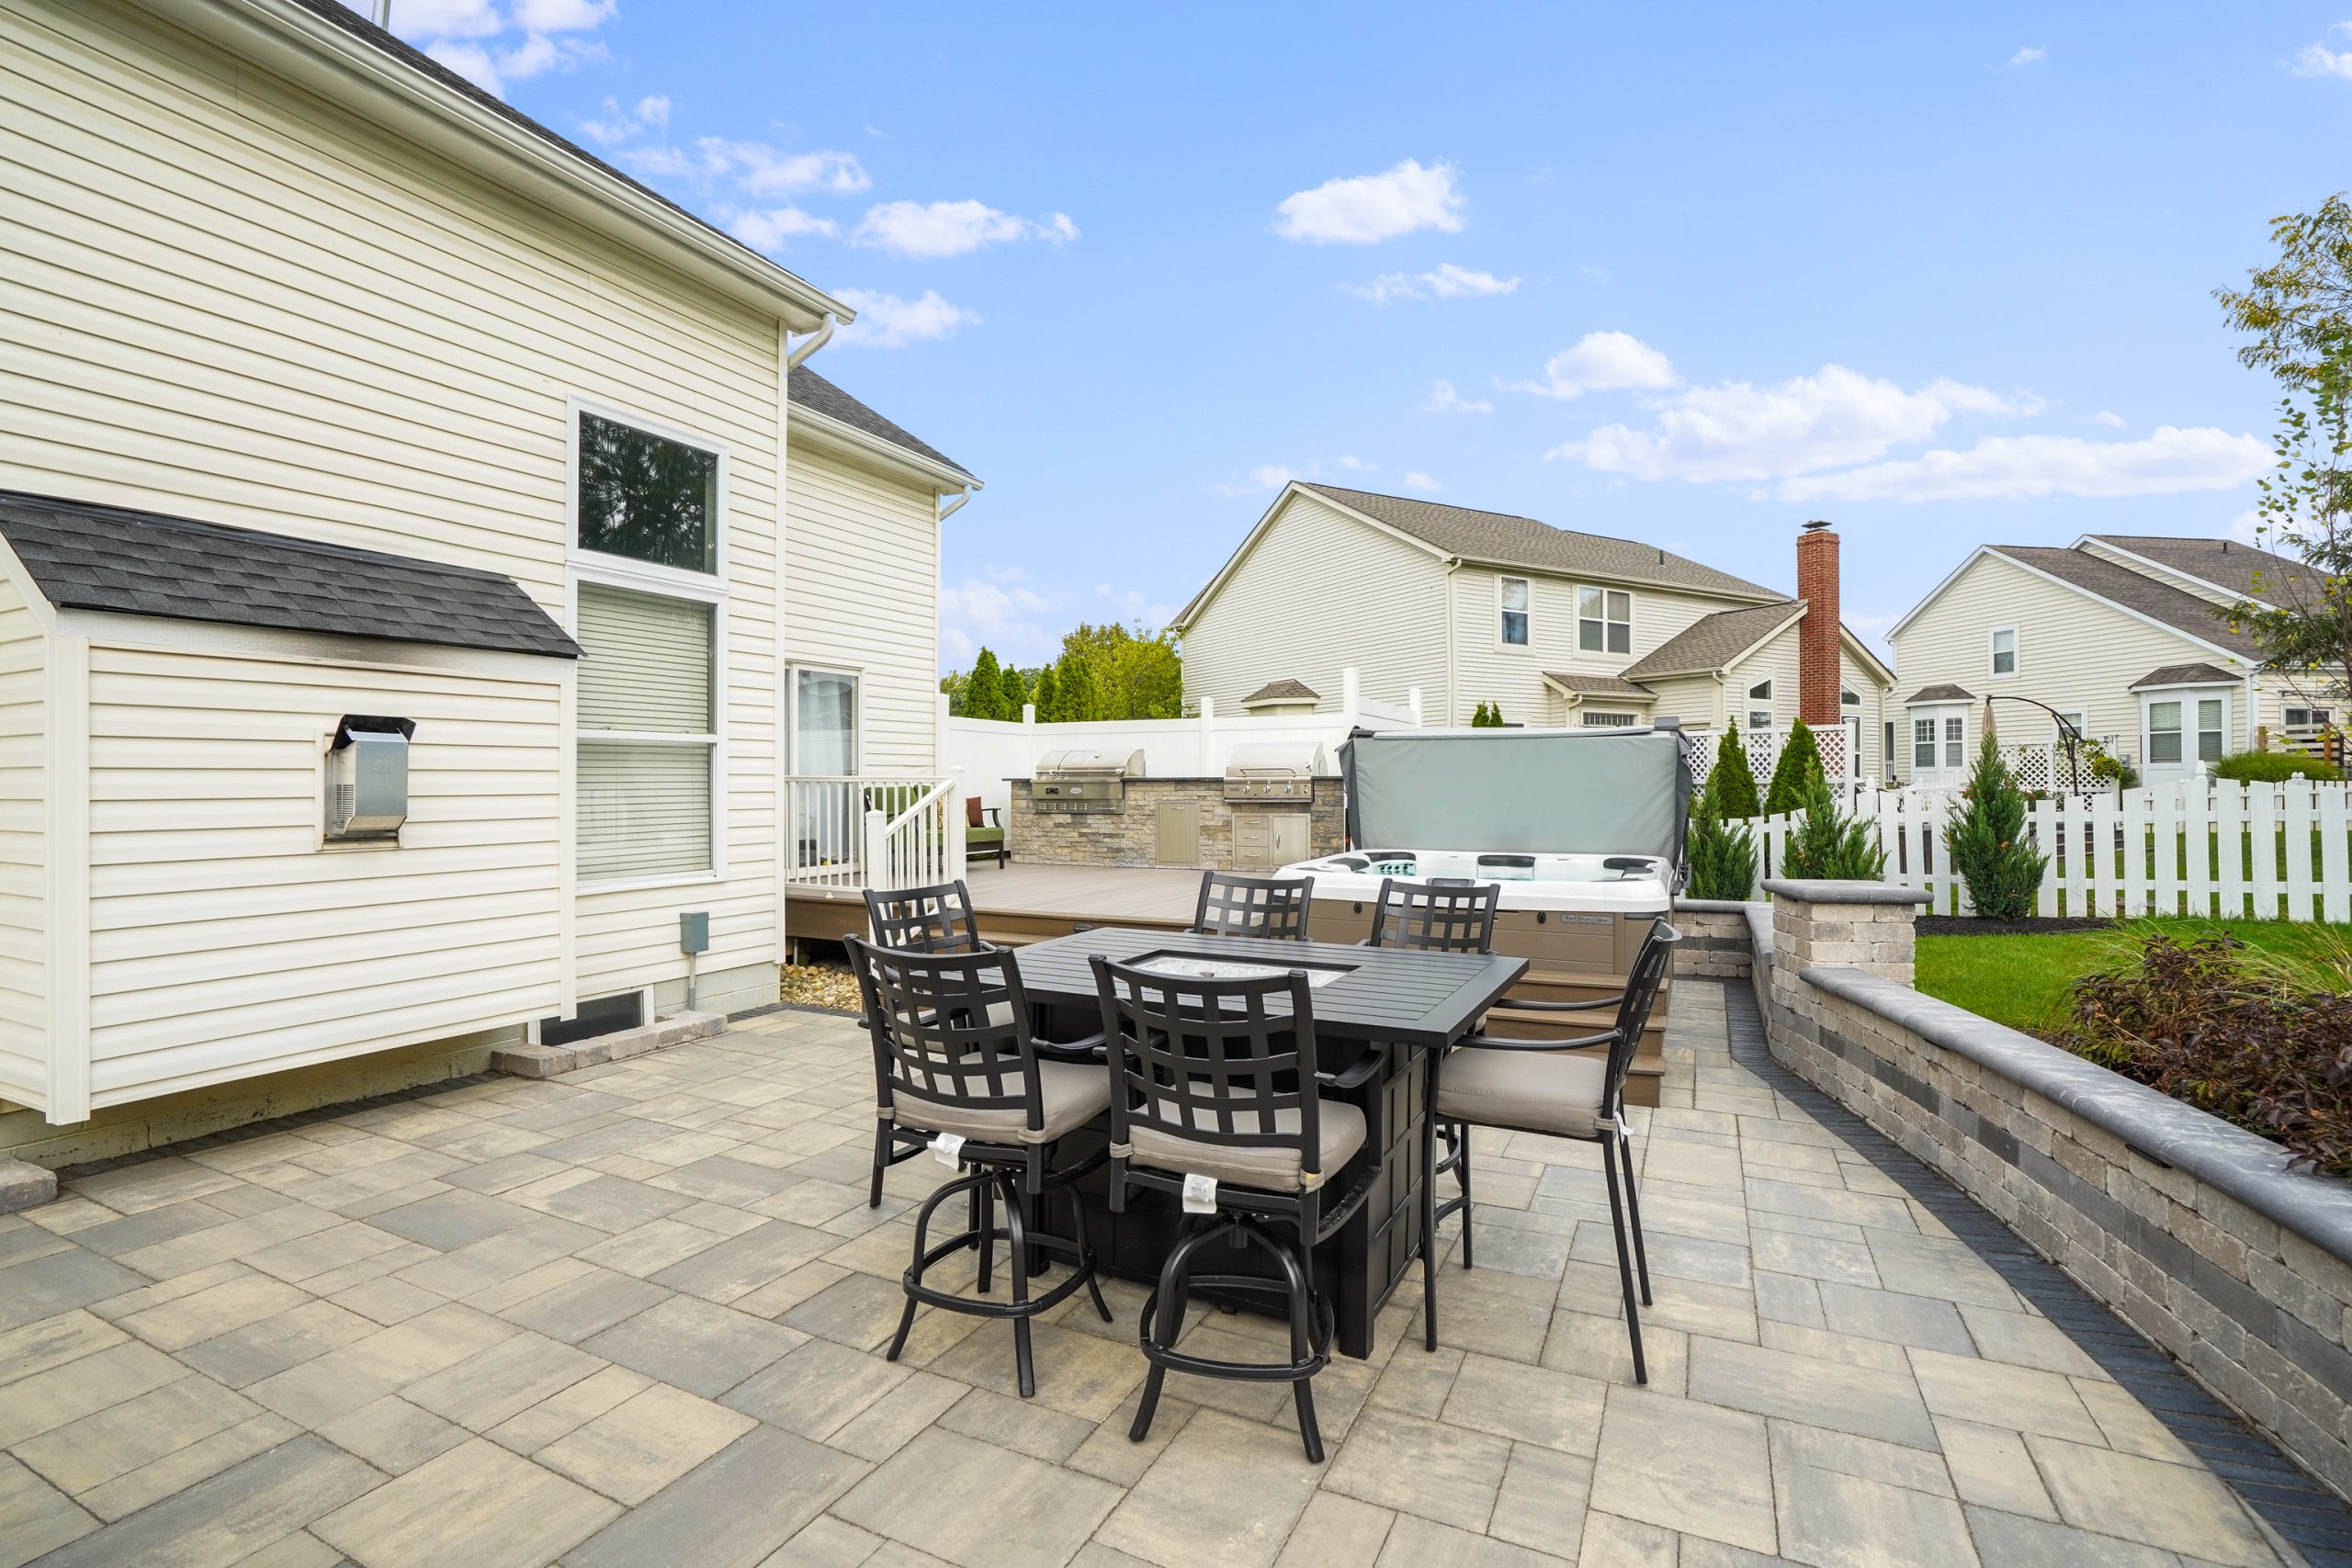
(1446, 281)
(1416, 479)
(445, 19)
(2248, 528)
(1600, 362)
(998, 611)
(562, 15)
(468, 60)
(1273, 476)
(1737, 431)
(2170, 460)
(1443, 399)
(2318, 59)
(768, 229)
(885, 320)
(1369, 207)
(954, 227)
(460, 34)
(622, 125)
(2108, 418)
(539, 54)
(2030, 55)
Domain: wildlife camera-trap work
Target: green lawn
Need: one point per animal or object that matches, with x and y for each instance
(2026, 981)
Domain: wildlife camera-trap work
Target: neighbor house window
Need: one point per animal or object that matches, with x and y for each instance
(1955, 743)
(650, 616)
(1849, 699)
(1514, 612)
(1760, 693)
(1923, 743)
(1887, 747)
(2307, 718)
(1604, 621)
(2163, 732)
(647, 498)
(2209, 729)
(1608, 720)
(648, 733)
(2079, 719)
(1759, 718)
(2005, 651)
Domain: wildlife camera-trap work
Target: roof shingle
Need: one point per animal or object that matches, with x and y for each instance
(1711, 642)
(1597, 685)
(1282, 691)
(2184, 675)
(2160, 602)
(1944, 692)
(812, 391)
(86, 557)
(2228, 565)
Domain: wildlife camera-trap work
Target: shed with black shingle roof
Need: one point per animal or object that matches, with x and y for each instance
(83, 556)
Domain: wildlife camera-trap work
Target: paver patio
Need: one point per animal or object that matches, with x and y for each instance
(635, 1317)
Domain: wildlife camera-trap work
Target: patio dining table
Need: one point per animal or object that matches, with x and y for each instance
(1378, 1014)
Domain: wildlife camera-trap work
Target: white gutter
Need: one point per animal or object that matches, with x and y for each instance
(954, 506)
(811, 344)
(943, 477)
(348, 70)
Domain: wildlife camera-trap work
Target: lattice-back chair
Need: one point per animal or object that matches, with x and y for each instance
(1274, 907)
(1526, 1085)
(928, 920)
(1441, 915)
(1219, 1080)
(962, 1075)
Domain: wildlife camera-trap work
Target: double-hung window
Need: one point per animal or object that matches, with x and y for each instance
(2005, 651)
(1923, 743)
(1759, 718)
(1513, 629)
(650, 615)
(1604, 621)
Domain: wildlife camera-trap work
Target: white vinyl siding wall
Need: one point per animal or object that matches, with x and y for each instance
(225, 943)
(2073, 651)
(862, 594)
(1490, 671)
(24, 924)
(1318, 593)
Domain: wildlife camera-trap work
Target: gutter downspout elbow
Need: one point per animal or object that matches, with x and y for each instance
(811, 343)
(949, 510)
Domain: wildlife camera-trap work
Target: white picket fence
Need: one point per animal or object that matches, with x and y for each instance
(2205, 847)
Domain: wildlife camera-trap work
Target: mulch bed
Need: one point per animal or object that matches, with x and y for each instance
(1970, 925)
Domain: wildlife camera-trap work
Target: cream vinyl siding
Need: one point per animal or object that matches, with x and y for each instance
(2073, 651)
(1694, 699)
(1319, 591)
(225, 943)
(24, 924)
(862, 594)
(1491, 671)
(227, 299)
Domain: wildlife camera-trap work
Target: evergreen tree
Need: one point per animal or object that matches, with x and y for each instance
(1047, 694)
(1732, 782)
(1478, 719)
(1079, 692)
(1015, 693)
(984, 689)
(1988, 842)
(1798, 771)
(1830, 846)
(1495, 716)
(1723, 857)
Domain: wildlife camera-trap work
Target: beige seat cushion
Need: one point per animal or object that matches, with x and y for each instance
(1272, 1167)
(1533, 1091)
(1074, 1093)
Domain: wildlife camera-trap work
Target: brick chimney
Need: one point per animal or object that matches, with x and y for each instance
(1817, 662)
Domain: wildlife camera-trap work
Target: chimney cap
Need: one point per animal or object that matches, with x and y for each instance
(1816, 526)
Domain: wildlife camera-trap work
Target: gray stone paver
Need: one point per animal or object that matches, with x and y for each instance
(636, 1314)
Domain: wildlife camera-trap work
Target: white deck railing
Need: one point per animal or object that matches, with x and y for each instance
(873, 831)
(2207, 847)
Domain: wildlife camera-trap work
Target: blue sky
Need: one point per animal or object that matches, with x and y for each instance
(1685, 275)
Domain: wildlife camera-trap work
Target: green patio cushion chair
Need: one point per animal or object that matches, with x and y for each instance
(982, 837)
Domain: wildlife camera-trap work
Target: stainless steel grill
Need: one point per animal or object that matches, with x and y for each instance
(1273, 771)
(1084, 780)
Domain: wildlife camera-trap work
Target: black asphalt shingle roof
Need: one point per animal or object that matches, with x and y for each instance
(2160, 602)
(85, 557)
(1945, 693)
(2228, 565)
(2199, 674)
(1282, 691)
(1596, 685)
(812, 391)
(1711, 642)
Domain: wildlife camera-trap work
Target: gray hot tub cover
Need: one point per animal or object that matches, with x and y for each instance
(1519, 791)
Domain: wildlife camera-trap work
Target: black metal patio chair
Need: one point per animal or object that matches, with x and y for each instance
(964, 1077)
(938, 919)
(1272, 906)
(1527, 1086)
(1217, 1082)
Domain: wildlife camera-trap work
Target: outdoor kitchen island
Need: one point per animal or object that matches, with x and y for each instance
(1377, 1021)
(1271, 806)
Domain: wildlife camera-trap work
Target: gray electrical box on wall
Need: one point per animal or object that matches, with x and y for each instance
(693, 932)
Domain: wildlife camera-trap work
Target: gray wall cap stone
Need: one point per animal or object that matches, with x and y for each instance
(1715, 905)
(2250, 1169)
(1813, 892)
(1760, 931)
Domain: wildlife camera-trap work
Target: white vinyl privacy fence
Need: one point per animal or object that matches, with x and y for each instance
(2207, 847)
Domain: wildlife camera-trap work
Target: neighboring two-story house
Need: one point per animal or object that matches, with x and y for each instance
(352, 414)
(2122, 634)
(1555, 627)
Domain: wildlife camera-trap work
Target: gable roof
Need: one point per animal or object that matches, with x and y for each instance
(809, 390)
(1945, 693)
(2199, 674)
(2160, 602)
(2227, 564)
(1714, 642)
(1281, 690)
(85, 557)
(1499, 539)
(1598, 685)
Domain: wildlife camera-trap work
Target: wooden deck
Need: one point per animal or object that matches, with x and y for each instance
(1024, 903)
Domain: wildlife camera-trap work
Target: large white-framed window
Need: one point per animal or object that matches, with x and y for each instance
(2001, 651)
(649, 603)
(1604, 620)
(1512, 600)
(2184, 731)
(827, 720)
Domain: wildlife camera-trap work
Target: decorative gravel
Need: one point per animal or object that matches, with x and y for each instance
(828, 985)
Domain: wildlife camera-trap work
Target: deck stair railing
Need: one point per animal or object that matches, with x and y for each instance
(848, 832)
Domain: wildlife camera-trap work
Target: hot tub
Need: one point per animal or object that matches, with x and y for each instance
(1576, 914)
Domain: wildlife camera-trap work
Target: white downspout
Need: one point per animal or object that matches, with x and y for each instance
(949, 510)
(1453, 674)
(811, 344)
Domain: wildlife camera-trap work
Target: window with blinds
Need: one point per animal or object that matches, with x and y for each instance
(647, 734)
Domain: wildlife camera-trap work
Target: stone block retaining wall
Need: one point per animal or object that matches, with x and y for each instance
(1130, 836)
(1714, 938)
(2193, 1230)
